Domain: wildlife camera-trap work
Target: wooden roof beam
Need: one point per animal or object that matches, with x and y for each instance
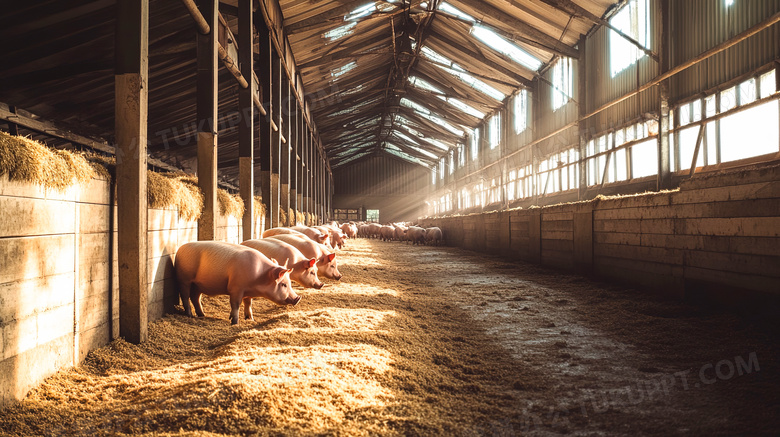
(526, 30)
(560, 49)
(482, 59)
(441, 108)
(576, 10)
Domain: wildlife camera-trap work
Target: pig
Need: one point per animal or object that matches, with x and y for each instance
(433, 235)
(400, 232)
(350, 230)
(373, 230)
(303, 271)
(363, 231)
(326, 264)
(386, 233)
(312, 233)
(415, 234)
(337, 238)
(276, 231)
(216, 268)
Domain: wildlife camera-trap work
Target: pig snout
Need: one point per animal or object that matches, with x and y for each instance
(318, 285)
(293, 300)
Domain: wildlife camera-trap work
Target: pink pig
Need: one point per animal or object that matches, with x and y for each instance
(303, 272)
(326, 264)
(215, 268)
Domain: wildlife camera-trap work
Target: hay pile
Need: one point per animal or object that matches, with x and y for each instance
(299, 218)
(26, 160)
(282, 218)
(259, 207)
(166, 190)
(230, 204)
(183, 192)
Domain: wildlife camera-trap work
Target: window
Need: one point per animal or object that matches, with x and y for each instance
(632, 20)
(372, 215)
(475, 144)
(510, 188)
(452, 162)
(494, 130)
(562, 82)
(461, 155)
(745, 133)
(433, 174)
(639, 159)
(521, 111)
(501, 45)
(442, 164)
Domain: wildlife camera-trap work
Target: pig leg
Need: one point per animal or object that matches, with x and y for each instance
(235, 304)
(184, 294)
(248, 309)
(195, 296)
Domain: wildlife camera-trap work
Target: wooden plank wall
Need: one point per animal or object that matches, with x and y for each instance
(55, 304)
(717, 239)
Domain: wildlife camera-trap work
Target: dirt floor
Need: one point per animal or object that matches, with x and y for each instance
(428, 341)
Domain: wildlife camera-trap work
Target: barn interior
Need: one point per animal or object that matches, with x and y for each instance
(605, 175)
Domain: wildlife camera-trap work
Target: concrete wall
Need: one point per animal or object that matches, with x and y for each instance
(58, 286)
(717, 239)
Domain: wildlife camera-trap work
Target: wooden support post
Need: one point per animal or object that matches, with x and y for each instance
(294, 138)
(309, 173)
(131, 106)
(276, 137)
(246, 127)
(266, 132)
(299, 164)
(207, 80)
(284, 150)
(315, 181)
(664, 180)
(582, 108)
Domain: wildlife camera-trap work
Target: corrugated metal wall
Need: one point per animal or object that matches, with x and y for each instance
(698, 25)
(380, 175)
(546, 120)
(603, 88)
(695, 26)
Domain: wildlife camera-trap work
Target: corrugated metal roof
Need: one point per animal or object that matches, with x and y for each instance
(383, 43)
(355, 58)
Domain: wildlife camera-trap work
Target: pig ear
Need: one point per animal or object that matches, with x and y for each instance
(283, 271)
(331, 256)
(312, 262)
(276, 273)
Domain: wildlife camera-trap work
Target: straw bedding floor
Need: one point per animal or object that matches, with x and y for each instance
(427, 341)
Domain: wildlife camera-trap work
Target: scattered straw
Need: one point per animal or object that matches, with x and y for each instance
(282, 217)
(27, 160)
(299, 217)
(414, 342)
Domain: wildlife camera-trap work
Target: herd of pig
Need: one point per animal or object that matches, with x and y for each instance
(265, 267)
(401, 232)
